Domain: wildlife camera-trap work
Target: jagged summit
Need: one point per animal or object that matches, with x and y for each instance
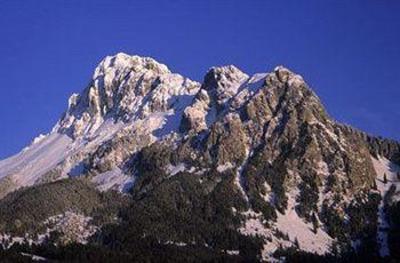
(124, 88)
(122, 63)
(224, 82)
(132, 97)
(129, 88)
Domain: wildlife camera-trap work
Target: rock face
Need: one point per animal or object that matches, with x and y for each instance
(293, 174)
(124, 88)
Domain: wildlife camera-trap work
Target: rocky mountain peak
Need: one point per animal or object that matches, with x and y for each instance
(287, 76)
(258, 151)
(123, 87)
(115, 66)
(223, 82)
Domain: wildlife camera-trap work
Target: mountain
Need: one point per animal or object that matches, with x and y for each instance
(146, 164)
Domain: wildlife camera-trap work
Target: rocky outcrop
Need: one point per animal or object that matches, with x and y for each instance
(377, 145)
(123, 88)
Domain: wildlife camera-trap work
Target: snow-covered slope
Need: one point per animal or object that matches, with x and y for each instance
(28, 166)
(296, 228)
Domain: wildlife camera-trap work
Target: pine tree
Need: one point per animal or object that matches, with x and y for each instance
(385, 178)
(374, 186)
(315, 223)
(296, 243)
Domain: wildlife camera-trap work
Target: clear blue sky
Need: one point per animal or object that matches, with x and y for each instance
(348, 51)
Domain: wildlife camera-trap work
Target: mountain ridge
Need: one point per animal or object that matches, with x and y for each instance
(258, 155)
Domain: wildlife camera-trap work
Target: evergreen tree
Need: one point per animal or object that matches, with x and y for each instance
(296, 243)
(374, 186)
(315, 223)
(385, 178)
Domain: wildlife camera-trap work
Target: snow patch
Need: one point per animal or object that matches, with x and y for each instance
(179, 244)
(384, 167)
(291, 224)
(253, 225)
(224, 167)
(175, 169)
(73, 226)
(34, 257)
(27, 166)
(239, 174)
(114, 179)
(256, 82)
